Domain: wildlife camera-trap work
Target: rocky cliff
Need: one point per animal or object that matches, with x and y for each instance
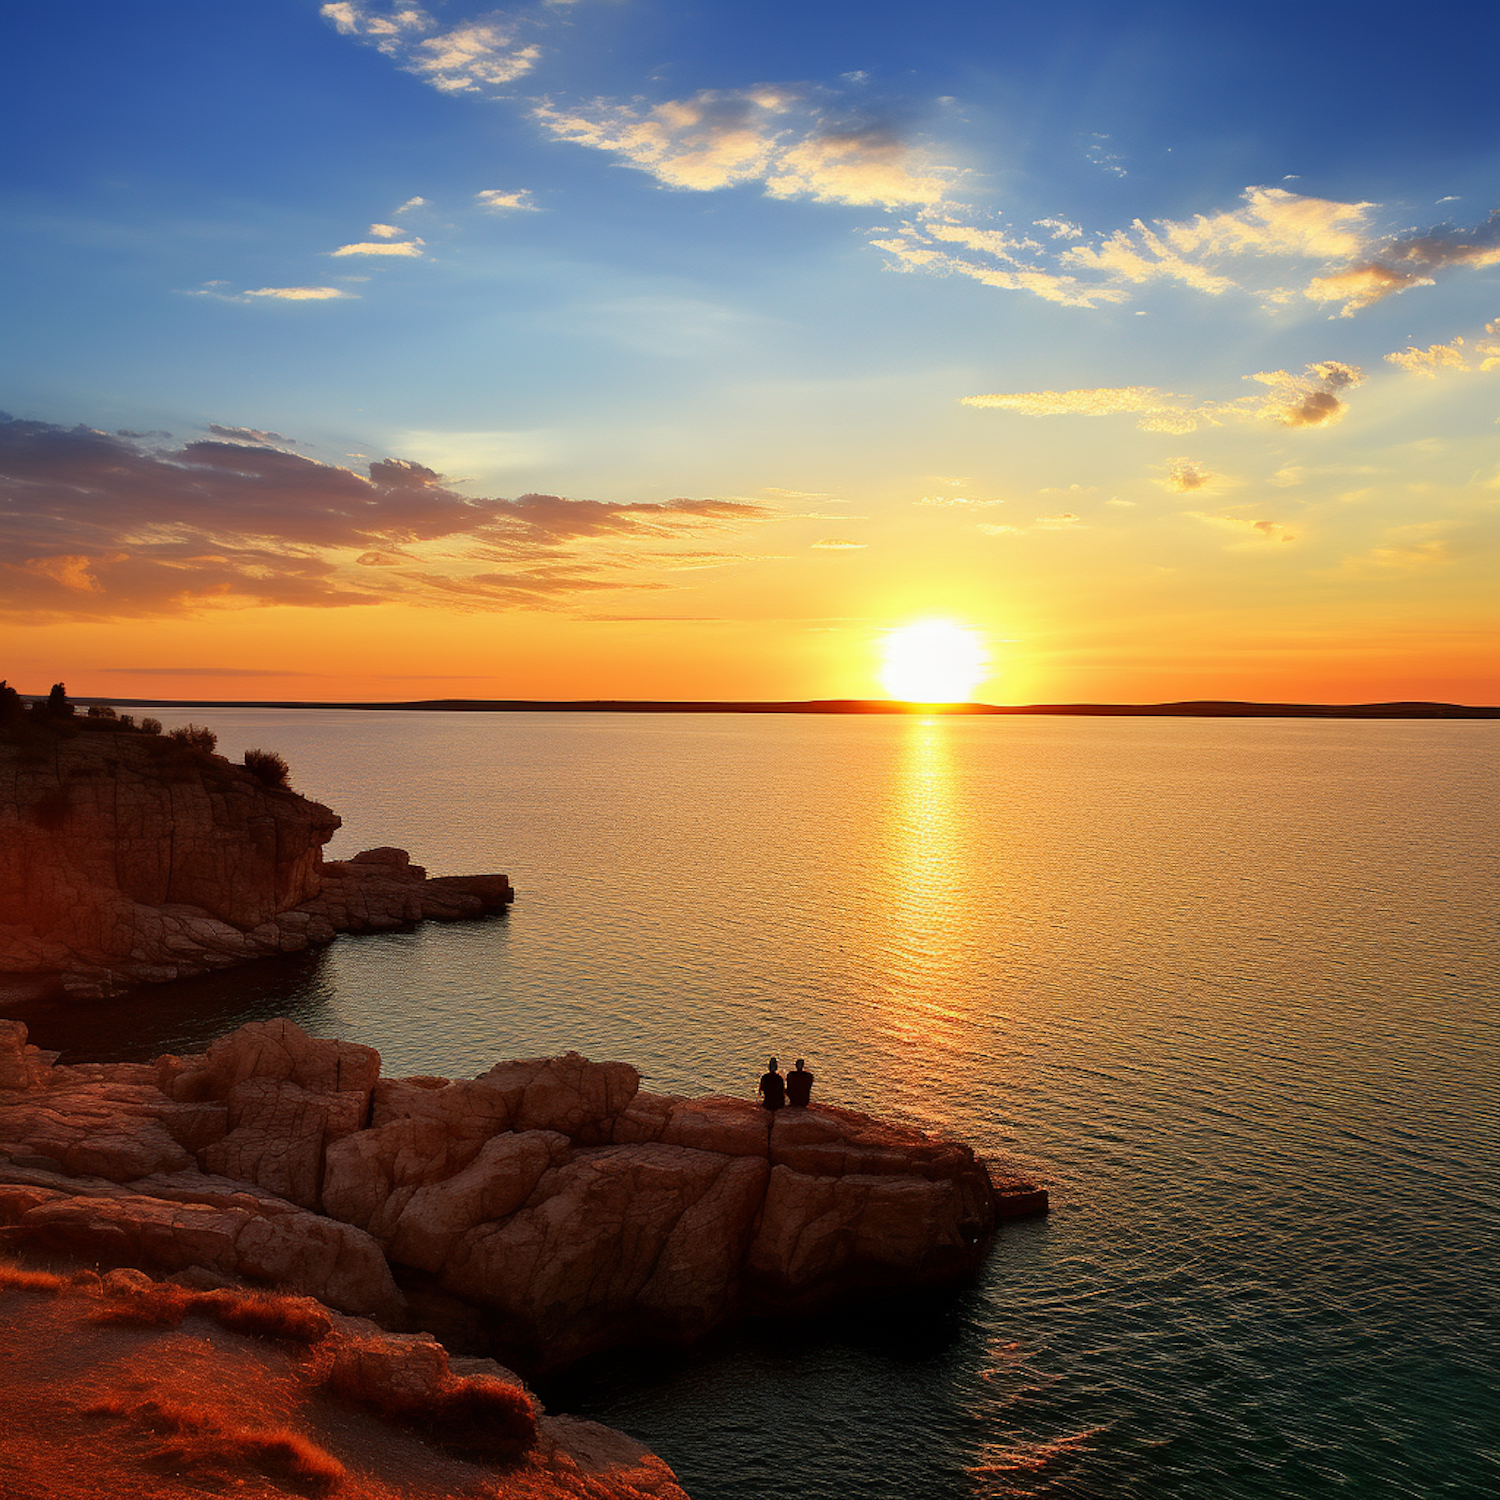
(545, 1209)
(127, 857)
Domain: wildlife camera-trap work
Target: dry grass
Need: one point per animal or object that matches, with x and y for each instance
(163, 1304)
(187, 1437)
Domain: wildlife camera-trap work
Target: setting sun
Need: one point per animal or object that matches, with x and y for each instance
(933, 661)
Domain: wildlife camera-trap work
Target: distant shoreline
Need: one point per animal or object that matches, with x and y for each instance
(1194, 708)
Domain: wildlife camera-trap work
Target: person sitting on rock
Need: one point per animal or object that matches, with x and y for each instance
(799, 1084)
(772, 1087)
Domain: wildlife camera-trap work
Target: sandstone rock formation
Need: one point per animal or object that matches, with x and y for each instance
(554, 1203)
(124, 1385)
(128, 858)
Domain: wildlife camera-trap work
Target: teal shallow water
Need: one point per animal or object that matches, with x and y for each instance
(1229, 986)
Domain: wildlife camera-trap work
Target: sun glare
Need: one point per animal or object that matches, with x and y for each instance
(933, 661)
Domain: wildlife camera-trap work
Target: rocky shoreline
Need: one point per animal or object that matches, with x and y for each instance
(131, 858)
(540, 1212)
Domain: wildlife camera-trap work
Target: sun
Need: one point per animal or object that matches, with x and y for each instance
(933, 661)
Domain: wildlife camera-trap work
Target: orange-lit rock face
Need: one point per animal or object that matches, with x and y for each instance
(131, 849)
(126, 857)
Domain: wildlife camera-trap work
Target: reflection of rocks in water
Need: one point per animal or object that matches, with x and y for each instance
(185, 1015)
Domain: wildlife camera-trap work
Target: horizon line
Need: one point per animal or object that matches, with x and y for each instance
(1183, 708)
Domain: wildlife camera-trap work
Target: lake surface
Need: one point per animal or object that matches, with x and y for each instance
(1228, 986)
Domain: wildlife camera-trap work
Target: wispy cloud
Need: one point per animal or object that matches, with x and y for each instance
(1311, 399)
(302, 293)
(1250, 533)
(795, 142)
(1332, 249)
(411, 248)
(839, 544)
(471, 57)
(100, 526)
(1454, 355)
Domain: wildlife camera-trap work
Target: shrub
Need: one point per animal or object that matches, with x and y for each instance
(268, 767)
(10, 702)
(150, 725)
(127, 721)
(194, 736)
(102, 711)
(57, 702)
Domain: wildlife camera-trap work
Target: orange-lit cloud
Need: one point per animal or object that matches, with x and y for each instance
(103, 526)
(1451, 356)
(1307, 400)
(1250, 532)
(1185, 475)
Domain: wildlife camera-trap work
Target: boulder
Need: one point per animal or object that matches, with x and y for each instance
(570, 1094)
(620, 1239)
(278, 1132)
(278, 1050)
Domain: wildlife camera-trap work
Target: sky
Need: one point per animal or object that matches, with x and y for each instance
(634, 349)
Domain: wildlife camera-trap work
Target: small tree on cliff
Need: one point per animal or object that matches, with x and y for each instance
(195, 736)
(268, 766)
(58, 706)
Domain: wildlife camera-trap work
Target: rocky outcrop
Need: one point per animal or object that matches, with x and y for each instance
(563, 1209)
(129, 858)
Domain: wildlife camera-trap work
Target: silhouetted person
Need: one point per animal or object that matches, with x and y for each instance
(772, 1087)
(799, 1084)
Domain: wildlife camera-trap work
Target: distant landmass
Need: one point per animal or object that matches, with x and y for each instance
(1201, 708)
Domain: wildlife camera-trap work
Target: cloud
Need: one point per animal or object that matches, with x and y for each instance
(93, 525)
(838, 544)
(385, 231)
(945, 501)
(1216, 253)
(412, 203)
(1307, 400)
(1060, 522)
(498, 201)
(471, 57)
(990, 529)
(410, 248)
(1409, 260)
(784, 138)
(1450, 356)
(240, 435)
(1185, 475)
(1251, 533)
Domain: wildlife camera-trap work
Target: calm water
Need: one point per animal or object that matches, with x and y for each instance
(1229, 986)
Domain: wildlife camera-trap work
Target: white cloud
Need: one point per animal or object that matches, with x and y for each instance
(412, 203)
(385, 231)
(1451, 356)
(499, 201)
(472, 57)
(302, 293)
(781, 137)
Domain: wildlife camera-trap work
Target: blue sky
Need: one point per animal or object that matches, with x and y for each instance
(762, 257)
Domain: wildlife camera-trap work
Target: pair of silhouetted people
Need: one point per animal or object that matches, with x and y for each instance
(794, 1089)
